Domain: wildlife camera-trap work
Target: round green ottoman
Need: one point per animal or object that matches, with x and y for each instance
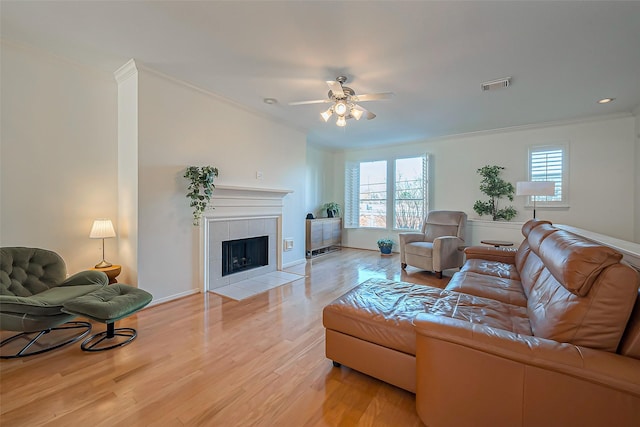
(108, 305)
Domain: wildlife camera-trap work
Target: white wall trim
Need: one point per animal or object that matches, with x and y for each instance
(496, 131)
(173, 297)
(125, 72)
(294, 263)
(220, 98)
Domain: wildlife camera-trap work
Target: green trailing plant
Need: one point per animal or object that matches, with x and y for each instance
(200, 188)
(332, 206)
(496, 188)
(385, 243)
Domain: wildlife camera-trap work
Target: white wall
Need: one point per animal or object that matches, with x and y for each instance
(58, 155)
(320, 180)
(637, 169)
(179, 126)
(602, 173)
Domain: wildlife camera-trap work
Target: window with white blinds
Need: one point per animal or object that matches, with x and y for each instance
(386, 193)
(549, 163)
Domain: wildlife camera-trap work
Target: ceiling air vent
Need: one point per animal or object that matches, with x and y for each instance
(496, 84)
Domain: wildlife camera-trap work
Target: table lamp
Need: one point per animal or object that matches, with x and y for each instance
(102, 229)
(534, 189)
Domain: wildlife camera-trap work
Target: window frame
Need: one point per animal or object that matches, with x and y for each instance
(564, 182)
(352, 198)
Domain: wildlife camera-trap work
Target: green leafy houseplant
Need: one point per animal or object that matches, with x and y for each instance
(333, 207)
(385, 245)
(496, 188)
(200, 188)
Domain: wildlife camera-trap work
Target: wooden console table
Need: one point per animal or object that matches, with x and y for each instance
(323, 235)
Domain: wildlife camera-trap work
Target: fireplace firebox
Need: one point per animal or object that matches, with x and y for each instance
(244, 254)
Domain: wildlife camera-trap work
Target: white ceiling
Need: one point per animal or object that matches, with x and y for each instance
(562, 56)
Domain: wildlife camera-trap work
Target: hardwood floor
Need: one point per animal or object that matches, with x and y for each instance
(205, 360)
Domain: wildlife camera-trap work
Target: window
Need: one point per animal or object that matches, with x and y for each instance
(409, 195)
(549, 163)
(368, 184)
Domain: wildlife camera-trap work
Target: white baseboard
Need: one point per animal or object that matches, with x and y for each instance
(295, 262)
(173, 297)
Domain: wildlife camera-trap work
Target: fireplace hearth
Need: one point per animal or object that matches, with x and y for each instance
(244, 254)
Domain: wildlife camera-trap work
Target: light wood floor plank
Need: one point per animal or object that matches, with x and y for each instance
(205, 360)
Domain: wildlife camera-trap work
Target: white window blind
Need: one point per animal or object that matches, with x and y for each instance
(351, 194)
(548, 163)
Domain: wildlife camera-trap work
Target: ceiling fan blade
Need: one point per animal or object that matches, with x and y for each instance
(336, 88)
(374, 96)
(316, 101)
(369, 114)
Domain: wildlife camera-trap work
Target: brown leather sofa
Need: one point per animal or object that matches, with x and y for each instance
(544, 335)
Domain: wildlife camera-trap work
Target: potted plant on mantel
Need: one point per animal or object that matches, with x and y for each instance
(385, 245)
(200, 188)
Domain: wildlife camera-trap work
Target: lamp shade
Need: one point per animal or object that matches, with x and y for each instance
(102, 229)
(535, 188)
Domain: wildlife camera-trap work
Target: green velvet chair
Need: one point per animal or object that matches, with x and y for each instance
(33, 288)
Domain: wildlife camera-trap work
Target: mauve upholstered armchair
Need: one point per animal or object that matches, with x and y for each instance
(33, 288)
(437, 246)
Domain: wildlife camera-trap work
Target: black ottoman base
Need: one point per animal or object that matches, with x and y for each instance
(111, 338)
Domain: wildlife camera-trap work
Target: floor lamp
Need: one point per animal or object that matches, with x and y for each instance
(102, 229)
(534, 189)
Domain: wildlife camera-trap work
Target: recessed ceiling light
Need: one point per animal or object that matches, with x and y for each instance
(270, 101)
(605, 100)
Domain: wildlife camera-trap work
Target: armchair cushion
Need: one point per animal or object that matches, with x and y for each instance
(28, 271)
(434, 231)
(424, 249)
(47, 303)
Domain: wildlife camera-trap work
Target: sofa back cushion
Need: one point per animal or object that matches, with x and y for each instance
(630, 344)
(575, 262)
(583, 295)
(530, 271)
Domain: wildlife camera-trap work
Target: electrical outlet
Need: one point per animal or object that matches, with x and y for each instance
(287, 245)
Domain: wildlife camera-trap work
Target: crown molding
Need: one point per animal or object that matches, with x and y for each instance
(128, 70)
(218, 97)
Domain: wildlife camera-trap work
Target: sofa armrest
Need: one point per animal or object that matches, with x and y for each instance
(87, 277)
(410, 237)
(487, 253)
(600, 367)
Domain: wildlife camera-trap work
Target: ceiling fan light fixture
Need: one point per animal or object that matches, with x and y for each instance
(356, 114)
(340, 108)
(341, 121)
(327, 114)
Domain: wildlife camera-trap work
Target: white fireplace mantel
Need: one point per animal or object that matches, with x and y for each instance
(231, 201)
(240, 212)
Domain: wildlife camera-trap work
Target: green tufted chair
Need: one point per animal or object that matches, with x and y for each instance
(33, 288)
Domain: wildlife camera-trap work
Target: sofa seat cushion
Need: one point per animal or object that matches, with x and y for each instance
(491, 268)
(487, 286)
(382, 311)
(423, 249)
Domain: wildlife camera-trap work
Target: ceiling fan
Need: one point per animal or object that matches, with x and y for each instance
(344, 101)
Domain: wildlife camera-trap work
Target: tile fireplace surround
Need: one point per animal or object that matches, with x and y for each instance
(239, 213)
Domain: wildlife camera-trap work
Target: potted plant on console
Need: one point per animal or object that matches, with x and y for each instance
(333, 209)
(385, 245)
